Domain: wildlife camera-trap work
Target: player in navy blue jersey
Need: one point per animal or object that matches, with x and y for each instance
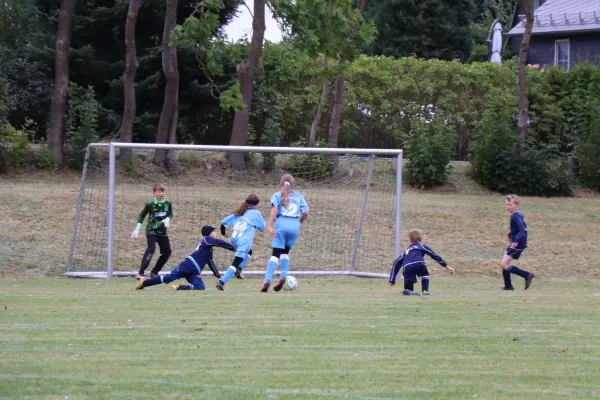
(245, 221)
(191, 268)
(413, 262)
(518, 243)
(288, 211)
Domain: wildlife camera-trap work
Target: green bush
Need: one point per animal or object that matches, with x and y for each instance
(43, 157)
(188, 157)
(430, 148)
(81, 124)
(14, 144)
(587, 148)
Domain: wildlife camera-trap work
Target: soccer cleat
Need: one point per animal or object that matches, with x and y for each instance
(279, 285)
(426, 293)
(508, 288)
(139, 276)
(140, 284)
(221, 286)
(175, 287)
(238, 274)
(528, 280)
(408, 292)
(265, 287)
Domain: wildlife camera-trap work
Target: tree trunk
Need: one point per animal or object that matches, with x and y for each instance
(312, 140)
(246, 71)
(131, 66)
(527, 7)
(61, 80)
(336, 113)
(170, 108)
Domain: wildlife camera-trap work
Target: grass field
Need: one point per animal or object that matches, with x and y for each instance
(344, 338)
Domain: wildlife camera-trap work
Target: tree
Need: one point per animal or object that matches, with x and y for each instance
(312, 138)
(61, 81)
(527, 7)
(131, 66)
(167, 125)
(427, 28)
(246, 70)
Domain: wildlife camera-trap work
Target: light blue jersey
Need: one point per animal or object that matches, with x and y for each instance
(244, 228)
(287, 225)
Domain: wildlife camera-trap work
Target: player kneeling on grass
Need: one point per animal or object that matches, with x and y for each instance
(413, 262)
(191, 267)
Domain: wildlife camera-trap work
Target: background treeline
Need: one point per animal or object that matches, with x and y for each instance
(415, 78)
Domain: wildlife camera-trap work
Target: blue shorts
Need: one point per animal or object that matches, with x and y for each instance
(242, 245)
(514, 253)
(286, 232)
(412, 271)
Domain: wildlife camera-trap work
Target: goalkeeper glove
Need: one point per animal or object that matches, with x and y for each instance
(135, 233)
(166, 222)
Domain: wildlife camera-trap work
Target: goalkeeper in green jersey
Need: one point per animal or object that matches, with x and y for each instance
(160, 212)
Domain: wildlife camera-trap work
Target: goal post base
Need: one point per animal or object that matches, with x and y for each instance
(253, 273)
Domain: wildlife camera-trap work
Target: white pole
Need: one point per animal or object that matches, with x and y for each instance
(111, 208)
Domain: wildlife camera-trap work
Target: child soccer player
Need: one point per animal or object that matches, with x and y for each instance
(413, 262)
(288, 210)
(191, 268)
(518, 242)
(160, 213)
(245, 221)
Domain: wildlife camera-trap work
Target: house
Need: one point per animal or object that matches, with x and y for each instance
(564, 32)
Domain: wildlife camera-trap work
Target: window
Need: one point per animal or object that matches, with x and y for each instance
(562, 54)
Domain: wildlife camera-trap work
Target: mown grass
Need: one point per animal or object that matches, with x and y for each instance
(332, 338)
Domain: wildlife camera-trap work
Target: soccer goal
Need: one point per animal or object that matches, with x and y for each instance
(354, 195)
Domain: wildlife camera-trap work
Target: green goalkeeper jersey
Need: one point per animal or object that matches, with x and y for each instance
(157, 212)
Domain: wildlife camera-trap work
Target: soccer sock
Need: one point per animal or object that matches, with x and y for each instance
(271, 268)
(184, 287)
(409, 285)
(245, 261)
(425, 283)
(284, 266)
(154, 281)
(517, 271)
(506, 276)
(228, 274)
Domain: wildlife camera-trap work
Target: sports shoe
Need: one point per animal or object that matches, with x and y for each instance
(508, 288)
(221, 286)
(426, 293)
(140, 284)
(279, 285)
(153, 274)
(528, 280)
(139, 276)
(238, 274)
(265, 287)
(175, 287)
(408, 292)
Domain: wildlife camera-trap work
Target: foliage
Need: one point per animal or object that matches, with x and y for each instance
(188, 157)
(429, 151)
(81, 123)
(310, 166)
(43, 157)
(429, 29)
(587, 147)
(14, 144)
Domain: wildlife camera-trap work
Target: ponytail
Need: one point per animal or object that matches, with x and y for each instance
(287, 185)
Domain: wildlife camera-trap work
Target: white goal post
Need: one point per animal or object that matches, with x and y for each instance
(354, 196)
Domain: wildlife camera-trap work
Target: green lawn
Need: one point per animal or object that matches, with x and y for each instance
(342, 338)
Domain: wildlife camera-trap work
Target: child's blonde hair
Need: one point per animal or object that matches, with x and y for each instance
(513, 198)
(158, 186)
(287, 185)
(415, 236)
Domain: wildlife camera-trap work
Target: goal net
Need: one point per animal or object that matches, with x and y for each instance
(354, 196)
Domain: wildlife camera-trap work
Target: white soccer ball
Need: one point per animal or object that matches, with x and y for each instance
(290, 283)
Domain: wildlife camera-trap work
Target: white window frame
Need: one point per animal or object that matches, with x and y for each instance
(557, 43)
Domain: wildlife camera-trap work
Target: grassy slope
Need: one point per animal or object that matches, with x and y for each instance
(332, 338)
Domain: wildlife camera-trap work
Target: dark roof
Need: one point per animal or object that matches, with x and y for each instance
(562, 16)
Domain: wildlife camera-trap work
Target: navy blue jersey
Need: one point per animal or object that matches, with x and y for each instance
(415, 253)
(204, 254)
(518, 229)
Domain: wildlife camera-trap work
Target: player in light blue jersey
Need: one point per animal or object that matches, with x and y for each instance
(288, 211)
(245, 221)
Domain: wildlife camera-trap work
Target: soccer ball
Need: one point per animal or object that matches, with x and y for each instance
(290, 283)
